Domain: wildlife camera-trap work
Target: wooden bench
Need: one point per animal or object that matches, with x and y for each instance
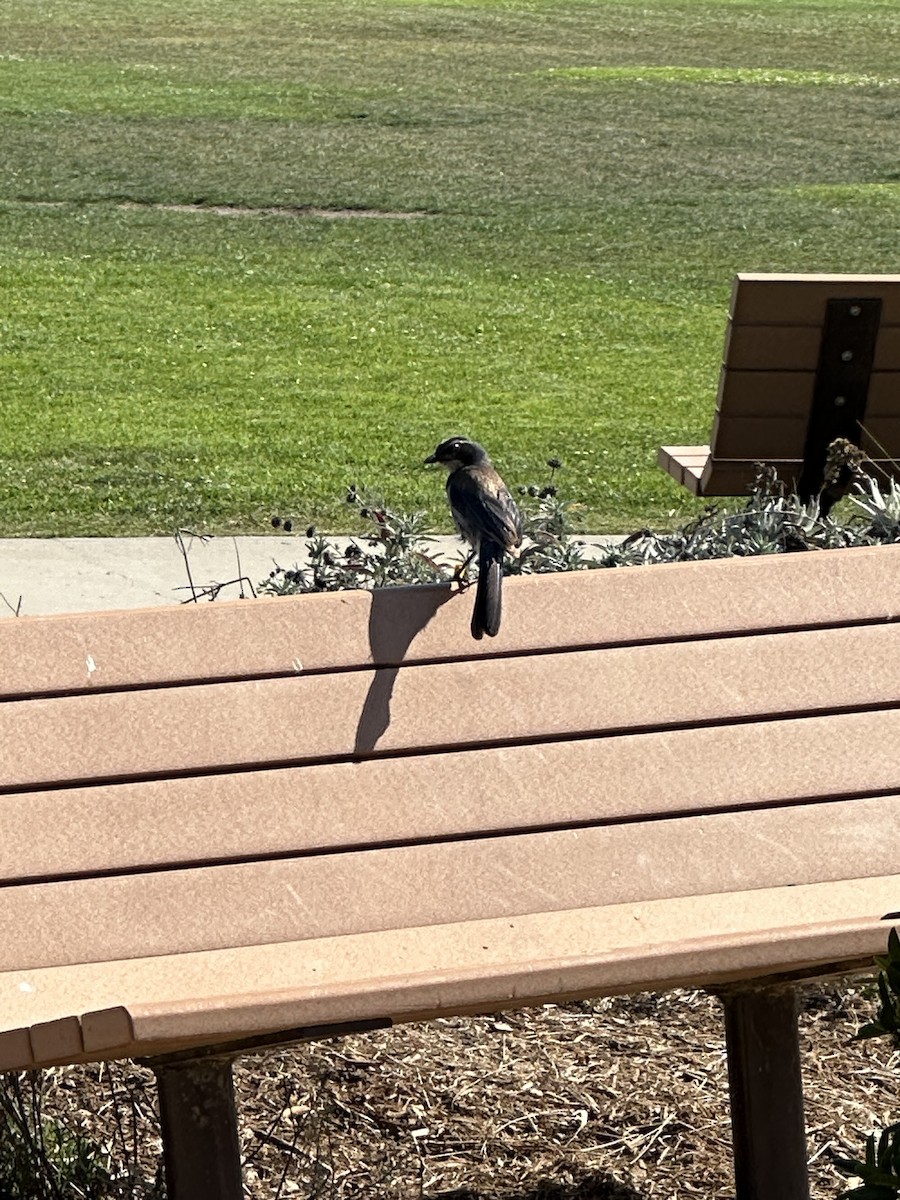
(808, 359)
(257, 822)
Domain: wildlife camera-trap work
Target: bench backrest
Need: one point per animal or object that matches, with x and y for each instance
(807, 359)
(224, 820)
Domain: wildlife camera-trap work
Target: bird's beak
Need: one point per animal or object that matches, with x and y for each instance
(430, 459)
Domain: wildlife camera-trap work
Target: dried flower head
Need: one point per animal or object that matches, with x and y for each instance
(842, 457)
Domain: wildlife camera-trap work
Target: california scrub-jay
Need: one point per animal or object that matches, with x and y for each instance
(487, 517)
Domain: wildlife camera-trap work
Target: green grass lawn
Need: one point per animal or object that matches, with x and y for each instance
(570, 188)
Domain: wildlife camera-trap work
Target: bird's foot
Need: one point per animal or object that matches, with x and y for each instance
(461, 576)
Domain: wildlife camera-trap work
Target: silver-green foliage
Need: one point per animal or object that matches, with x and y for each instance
(398, 547)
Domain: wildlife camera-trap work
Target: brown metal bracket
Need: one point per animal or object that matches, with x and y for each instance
(846, 354)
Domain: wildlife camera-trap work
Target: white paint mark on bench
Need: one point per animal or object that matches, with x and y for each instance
(298, 899)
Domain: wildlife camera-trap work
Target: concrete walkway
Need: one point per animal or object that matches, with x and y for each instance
(59, 575)
(55, 575)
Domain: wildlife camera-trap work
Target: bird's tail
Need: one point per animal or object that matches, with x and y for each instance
(488, 595)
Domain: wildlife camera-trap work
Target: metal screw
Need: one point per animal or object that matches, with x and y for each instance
(846, 355)
(855, 310)
(840, 401)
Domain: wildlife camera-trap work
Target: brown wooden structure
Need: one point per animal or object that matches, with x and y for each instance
(256, 822)
(808, 359)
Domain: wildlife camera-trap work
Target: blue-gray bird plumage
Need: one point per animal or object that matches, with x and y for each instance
(487, 517)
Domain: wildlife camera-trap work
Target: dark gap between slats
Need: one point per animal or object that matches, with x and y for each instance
(445, 839)
(539, 739)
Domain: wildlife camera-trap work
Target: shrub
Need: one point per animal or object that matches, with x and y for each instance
(398, 548)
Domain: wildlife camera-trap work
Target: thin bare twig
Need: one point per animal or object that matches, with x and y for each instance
(211, 590)
(878, 446)
(179, 541)
(17, 611)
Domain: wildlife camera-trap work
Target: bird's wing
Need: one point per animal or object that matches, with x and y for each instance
(483, 507)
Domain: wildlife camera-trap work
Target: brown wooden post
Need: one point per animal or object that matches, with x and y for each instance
(201, 1148)
(770, 1157)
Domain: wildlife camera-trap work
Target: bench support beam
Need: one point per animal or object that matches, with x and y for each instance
(201, 1147)
(766, 1087)
(842, 387)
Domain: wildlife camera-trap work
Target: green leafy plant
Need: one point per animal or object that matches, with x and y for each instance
(887, 1023)
(880, 1170)
(40, 1157)
(880, 506)
(880, 1173)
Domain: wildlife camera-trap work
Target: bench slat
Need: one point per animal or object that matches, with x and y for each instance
(119, 827)
(796, 348)
(735, 477)
(752, 393)
(801, 299)
(583, 608)
(696, 469)
(704, 475)
(753, 437)
(684, 463)
(95, 651)
(193, 999)
(447, 704)
(136, 916)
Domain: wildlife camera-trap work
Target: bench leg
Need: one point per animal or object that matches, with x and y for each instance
(201, 1148)
(770, 1157)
